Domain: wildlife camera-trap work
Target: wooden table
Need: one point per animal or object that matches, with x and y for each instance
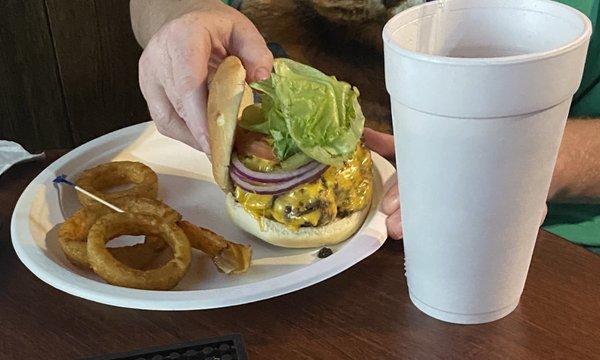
(364, 313)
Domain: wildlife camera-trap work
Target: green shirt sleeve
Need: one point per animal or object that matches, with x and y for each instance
(233, 3)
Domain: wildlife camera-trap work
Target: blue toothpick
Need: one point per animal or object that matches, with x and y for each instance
(62, 179)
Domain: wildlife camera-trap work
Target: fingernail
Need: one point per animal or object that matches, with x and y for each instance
(394, 227)
(261, 74)
(365, 134)
(396, 234)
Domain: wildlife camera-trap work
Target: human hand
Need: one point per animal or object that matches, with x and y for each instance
(181, 57)
(383, 144)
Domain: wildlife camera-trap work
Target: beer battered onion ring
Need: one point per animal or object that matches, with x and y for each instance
(105, 176)
(117, 273)
(229, 257)
(72, 234)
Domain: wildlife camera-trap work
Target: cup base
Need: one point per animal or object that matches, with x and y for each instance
(465, 319)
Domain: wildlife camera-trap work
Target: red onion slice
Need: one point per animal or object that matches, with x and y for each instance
(269, 177)
(277, 188)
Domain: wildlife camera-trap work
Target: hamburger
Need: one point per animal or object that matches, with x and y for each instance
(292, 166)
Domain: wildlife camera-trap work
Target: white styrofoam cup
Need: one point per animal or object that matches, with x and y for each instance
(480, 92)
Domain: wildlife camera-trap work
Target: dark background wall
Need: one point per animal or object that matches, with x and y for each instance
(68, 71)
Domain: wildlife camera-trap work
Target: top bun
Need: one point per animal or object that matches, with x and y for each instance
(228, 96)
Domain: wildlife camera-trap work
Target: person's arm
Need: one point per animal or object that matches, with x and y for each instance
(184, 41)
(147, 16)
(576, 176)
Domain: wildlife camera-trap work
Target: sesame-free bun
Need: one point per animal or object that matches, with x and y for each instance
(305, 237)
(228, 96)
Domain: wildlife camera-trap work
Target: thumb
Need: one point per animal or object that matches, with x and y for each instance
(248, 44)
(381, 143)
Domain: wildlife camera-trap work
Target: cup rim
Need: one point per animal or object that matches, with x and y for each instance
(501, 60)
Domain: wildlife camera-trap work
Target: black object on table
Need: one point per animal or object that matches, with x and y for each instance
(229, 347)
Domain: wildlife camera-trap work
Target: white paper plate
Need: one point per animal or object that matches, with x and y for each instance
(185, 183)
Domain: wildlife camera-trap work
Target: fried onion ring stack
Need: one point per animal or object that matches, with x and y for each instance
(83, 236)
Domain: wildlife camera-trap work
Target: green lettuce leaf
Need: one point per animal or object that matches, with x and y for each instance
(304, 110)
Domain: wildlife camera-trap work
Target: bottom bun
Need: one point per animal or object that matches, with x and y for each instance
(305, 237)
